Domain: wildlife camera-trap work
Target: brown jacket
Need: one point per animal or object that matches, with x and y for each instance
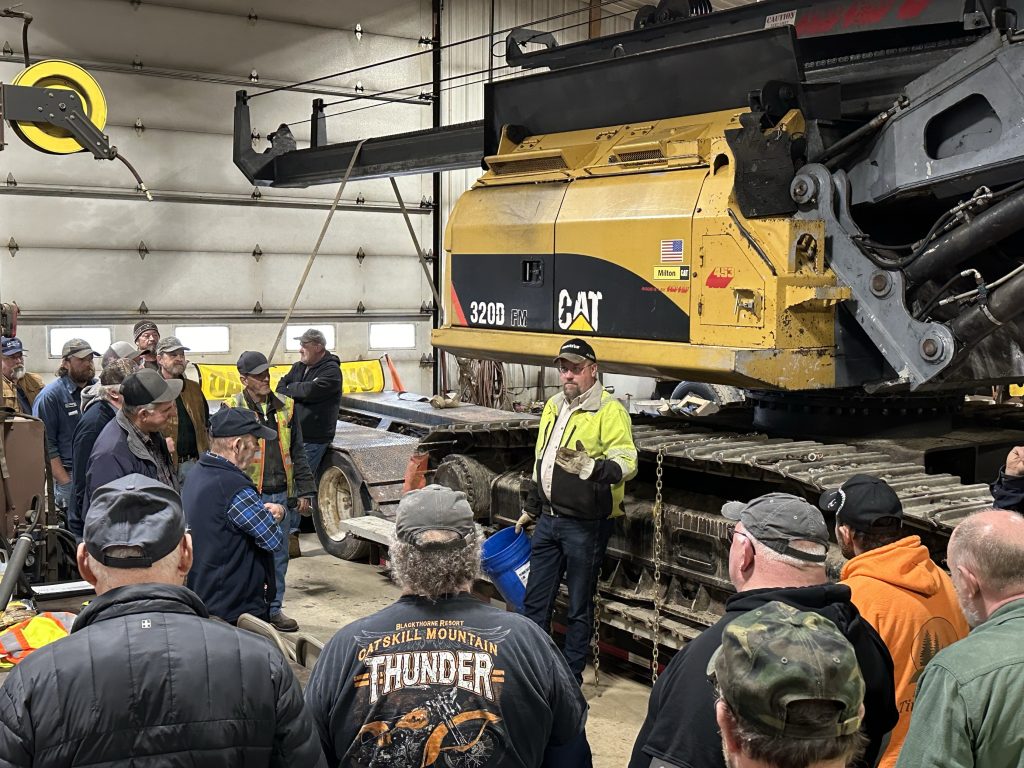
(198, 410)
(31, 385)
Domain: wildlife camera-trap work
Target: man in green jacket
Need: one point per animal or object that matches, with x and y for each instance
(584, 456)
(968, 708)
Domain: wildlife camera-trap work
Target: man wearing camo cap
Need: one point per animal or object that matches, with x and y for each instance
(790, 691)
(777, 550)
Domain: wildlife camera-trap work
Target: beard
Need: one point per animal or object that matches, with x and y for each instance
(82, 377)
(571, 390)
(18, 373)
(176, 370)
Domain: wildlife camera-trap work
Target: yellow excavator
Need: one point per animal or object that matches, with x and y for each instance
(826, 212)
(820, 202)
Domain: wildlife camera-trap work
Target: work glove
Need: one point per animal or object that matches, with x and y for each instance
(576, 462)
(526, 520)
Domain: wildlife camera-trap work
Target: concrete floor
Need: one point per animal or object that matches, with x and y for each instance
(325, 593)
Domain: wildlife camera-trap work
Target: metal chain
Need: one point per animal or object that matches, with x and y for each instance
(595, 647)
(658, 543)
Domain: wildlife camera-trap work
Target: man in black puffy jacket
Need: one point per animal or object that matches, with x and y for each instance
(777, 553)
(146, 678)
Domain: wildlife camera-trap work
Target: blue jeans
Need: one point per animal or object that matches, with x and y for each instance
(576, 548)
(314, 455)
(281, 553)
(62, 492)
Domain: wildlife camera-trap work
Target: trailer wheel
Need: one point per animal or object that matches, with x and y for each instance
(339, 499)
(716, 393)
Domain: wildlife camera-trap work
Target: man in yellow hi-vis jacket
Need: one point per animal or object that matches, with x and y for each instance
(585, 455)
(279, 470)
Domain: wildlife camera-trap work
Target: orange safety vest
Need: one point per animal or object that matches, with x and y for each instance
(283, 415)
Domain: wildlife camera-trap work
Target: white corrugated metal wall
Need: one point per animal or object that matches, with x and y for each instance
(172, 68)
(465, 19)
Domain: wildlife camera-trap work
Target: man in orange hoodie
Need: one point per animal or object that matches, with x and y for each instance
(896, 586)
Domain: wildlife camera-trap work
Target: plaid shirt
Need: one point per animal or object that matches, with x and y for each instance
(248, 514)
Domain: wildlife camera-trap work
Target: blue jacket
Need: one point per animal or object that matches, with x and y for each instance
(1008, 492)
(98, 415)
(229, 572)
(59, 406)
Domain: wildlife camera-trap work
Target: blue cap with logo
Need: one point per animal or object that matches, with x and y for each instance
(11, 346)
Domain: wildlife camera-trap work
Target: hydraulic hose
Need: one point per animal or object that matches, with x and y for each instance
(985, 317)
(985, 230)
(22, 547)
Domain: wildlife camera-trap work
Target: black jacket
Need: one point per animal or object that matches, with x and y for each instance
(146, 679)
(316, 391)
(119, 451)
(681, 728)
(1008, 492)
(95, 418)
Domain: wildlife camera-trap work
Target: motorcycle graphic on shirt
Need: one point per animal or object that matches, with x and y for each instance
(438, 729)
(431, 698)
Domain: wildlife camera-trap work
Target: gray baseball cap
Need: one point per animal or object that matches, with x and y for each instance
(133, 511)
(312, 335)
(121, 350)
(252, 363)
(778, 519)
(433, 508)
(170, 344)
(146, 386)
(77, 348)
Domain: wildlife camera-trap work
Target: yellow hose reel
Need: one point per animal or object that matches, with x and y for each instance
(53, 75)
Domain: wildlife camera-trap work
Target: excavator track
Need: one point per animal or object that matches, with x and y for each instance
(702, 468)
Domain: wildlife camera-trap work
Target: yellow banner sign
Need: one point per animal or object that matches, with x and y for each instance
(221, 381)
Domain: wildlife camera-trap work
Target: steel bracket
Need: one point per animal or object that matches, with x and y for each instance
(916, 350)
(58, 107)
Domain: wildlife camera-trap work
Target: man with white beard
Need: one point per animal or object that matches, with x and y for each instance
(967, 711)
(188, 427)
(20, 388)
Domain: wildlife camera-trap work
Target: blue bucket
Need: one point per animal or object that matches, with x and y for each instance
(505, 558)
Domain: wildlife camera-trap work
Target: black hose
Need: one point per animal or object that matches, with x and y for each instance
(985, 317)
(939, 293)
(866, 131)
(138, 178)
(983, 231)
(22, 547)
(27, 19)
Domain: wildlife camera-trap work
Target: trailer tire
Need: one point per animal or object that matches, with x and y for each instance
(716, 393)
(340, 497)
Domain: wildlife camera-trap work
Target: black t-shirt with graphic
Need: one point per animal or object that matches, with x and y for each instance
(453, 683)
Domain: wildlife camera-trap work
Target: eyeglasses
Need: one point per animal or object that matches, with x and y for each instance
(732, 532)
(575, 370)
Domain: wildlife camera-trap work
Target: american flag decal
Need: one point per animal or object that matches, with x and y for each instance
(671, 251)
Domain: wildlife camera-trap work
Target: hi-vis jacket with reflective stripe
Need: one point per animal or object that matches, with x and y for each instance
(604, 428)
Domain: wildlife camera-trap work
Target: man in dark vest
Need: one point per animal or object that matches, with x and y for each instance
(234, 531)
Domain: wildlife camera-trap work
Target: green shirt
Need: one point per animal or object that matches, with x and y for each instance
(969, 709)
